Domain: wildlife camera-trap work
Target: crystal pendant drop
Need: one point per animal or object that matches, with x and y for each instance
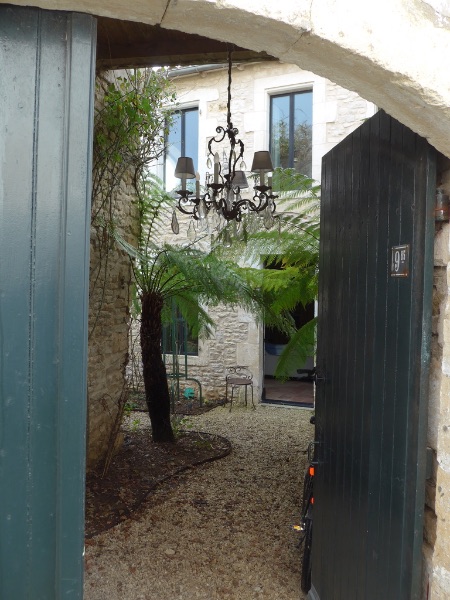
(202, 212)
(237, 231)
(226, 240)
(175, 225)
(243, 166)
(229, 199)
(191, 235)
(268, 219)
(214, 220)
(225, 168)
(221, 222)
(209, 163)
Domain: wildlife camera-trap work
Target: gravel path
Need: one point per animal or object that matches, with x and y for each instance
(220, 532)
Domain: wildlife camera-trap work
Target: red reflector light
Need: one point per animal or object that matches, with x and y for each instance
(312, 500)
(311, 471)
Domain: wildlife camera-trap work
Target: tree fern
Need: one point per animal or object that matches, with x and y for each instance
(300, 346)
(194, 280)
(290, 254)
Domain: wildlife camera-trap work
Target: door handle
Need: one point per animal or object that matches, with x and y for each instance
(319, 378)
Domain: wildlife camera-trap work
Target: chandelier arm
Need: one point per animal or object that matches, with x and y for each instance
(262, 201)
(234, 212)
(232, 215)
(220, 131)
(232, 162)
(183, 210)
(216, 188)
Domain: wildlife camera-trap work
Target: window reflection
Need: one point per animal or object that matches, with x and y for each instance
(182, 140)
(291, 131)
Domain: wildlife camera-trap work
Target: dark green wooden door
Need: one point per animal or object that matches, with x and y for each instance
(47, 67)
(373, 351)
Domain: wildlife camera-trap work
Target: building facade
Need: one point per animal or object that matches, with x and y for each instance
(272, 104)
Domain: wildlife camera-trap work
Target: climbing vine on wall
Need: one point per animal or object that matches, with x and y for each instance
(130, 126)
(130, 123)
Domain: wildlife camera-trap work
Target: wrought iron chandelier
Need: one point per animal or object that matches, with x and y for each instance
(224, 185)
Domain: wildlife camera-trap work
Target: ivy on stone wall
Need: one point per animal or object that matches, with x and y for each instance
(130, 125)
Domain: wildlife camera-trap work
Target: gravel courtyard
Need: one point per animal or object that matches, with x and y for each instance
(222, 531)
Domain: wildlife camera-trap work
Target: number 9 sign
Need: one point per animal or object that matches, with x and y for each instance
(400, 261)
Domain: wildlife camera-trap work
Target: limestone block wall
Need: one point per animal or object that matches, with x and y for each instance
(345, 109)
(436, 548)
(109, 302)
(237, 340)
(336, 111)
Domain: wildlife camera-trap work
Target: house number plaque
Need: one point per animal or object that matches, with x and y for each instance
(400, 261)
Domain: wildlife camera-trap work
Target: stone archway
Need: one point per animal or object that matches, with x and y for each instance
(393, 52)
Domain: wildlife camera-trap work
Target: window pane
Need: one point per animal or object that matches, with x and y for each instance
(178, 339)
(279, 134)
(182, 141)
(191, 135)
(291, 131)
(173, 152)
(303, 133)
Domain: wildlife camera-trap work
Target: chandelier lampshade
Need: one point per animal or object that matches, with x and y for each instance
(262, 161)
(184, 170)
(240, 180)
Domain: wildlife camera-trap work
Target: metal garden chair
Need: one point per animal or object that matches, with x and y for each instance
(235, 378)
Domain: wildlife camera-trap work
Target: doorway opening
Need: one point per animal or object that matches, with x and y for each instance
(298, 389)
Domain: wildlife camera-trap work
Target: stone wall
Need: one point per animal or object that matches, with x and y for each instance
(237, 340)
(109, 305)
(436, 548)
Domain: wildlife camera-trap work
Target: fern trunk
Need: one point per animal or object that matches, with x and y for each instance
(155, 378)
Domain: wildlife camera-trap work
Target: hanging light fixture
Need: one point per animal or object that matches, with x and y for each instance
(226, 182)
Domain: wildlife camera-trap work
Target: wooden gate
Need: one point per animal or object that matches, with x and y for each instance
(47, 68)
(373, 353)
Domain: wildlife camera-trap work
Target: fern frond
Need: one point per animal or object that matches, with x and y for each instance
(297, 350)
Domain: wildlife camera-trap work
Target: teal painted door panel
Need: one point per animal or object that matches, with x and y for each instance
(46, 96)
(374, 333)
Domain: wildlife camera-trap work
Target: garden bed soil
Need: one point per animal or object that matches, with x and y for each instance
(138, 467)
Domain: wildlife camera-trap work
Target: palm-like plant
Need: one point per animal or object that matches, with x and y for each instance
(128, 137)
(290, 250)
(192, 279)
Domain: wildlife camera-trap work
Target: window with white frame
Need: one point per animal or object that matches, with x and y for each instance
(291, 131)
(182, 140)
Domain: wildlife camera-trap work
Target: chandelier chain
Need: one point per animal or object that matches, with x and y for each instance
(229, 91)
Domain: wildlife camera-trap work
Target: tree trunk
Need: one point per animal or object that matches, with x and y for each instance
(155, 378)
